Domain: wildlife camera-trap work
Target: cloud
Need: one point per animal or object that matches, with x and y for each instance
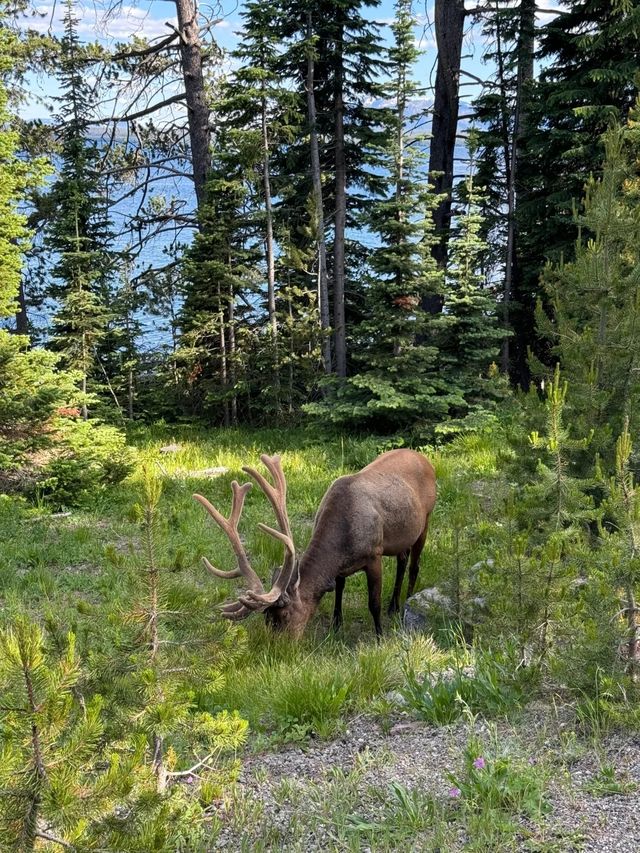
(95, 23)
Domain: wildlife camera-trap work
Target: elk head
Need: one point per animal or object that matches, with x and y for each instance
(283, 606)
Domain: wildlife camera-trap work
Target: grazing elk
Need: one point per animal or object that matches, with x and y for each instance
(382, 510)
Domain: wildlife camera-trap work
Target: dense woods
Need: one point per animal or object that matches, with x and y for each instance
(348, 227)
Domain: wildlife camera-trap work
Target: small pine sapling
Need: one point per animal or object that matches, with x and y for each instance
(176, 654)
(55, 781)
(623, 506)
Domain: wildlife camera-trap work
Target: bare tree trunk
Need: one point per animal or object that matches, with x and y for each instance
(340, 338)
(449, 16)
(232, 362)
(198, 109)
(223, 358)
(323, 282)
(22, 318)
(526, 47)
(271, 263)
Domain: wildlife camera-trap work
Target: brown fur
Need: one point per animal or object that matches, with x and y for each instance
(383, 510)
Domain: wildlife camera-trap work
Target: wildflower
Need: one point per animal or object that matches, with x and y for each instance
(454, 792)
(479, 763)
(189, 780)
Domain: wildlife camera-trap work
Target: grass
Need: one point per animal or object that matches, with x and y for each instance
(79, 570)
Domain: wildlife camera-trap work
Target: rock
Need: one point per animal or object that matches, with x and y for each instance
(210, 472)
(425, 608)
(171, 448)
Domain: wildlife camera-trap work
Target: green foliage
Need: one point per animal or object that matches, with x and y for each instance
(492, 790)
(496, 686)
(51, 765)
(595, 302)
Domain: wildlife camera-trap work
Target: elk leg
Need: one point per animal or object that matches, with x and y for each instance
(414, 565)
(374, 584)
(394, 603)
(337, 610)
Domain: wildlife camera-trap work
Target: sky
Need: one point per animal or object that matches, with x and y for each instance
(149, 18)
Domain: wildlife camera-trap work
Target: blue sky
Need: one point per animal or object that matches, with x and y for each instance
(149, 18)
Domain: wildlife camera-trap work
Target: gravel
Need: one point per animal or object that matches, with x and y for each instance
(582, 816)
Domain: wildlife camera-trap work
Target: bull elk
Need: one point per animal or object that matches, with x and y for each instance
(383, 510)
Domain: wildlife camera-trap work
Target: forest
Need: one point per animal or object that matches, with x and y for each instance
(271, 242)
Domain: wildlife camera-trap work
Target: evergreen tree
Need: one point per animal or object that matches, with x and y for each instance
(52, 781)
(595, 302)
(395, 381)
(348, 62)
(259, 112)
(219, 268)
(470, 342)
(78, 234)
(590, 55)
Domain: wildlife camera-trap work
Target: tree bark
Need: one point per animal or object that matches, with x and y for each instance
(340, 340)
(449, 16)
(194, 87)
(323, 281)
(22, 318)
(271, 263)
(515, 360)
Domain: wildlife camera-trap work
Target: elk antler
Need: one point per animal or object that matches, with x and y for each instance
(277, 495)
(243, 606)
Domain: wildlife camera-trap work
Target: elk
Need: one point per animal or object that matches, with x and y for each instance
(383, 510)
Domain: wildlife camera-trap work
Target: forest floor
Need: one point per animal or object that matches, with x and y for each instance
(335, 759)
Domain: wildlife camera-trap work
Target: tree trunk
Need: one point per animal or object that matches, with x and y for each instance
(233, 379)
(323, 282)
(223, 358)
(515, 359)
(449, 18)
(22, 318)
(340, 340)
(271, 263)
(198, 109)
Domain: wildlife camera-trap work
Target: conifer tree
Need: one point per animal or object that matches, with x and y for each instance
(470, 342)
(595, 302)
(589, 56)
(396, 381)
(52, 781)
(220, 268)
(78, 234)
(258, 110)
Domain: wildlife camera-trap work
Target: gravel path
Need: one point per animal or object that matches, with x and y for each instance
(274, 787)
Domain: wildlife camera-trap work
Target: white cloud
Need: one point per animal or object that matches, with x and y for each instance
(93, 23)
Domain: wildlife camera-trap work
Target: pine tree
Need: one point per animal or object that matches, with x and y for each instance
(258, 109)
(595, 303)
(470, 341)
(52, 781)
(78, 234)
(220, 268)
(348, 61)
(590, 54)
(395, 381)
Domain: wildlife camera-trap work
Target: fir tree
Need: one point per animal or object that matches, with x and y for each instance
(395, 381)
(595, 302)
(78, 234)
(220, 268)
(471, 338)
(590, 55)
(259, 111)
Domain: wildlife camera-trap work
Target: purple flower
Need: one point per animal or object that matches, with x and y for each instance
(189, 780)
(479, 763)
(454, 792)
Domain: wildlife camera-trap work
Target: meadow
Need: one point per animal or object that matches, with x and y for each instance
(450, 739)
